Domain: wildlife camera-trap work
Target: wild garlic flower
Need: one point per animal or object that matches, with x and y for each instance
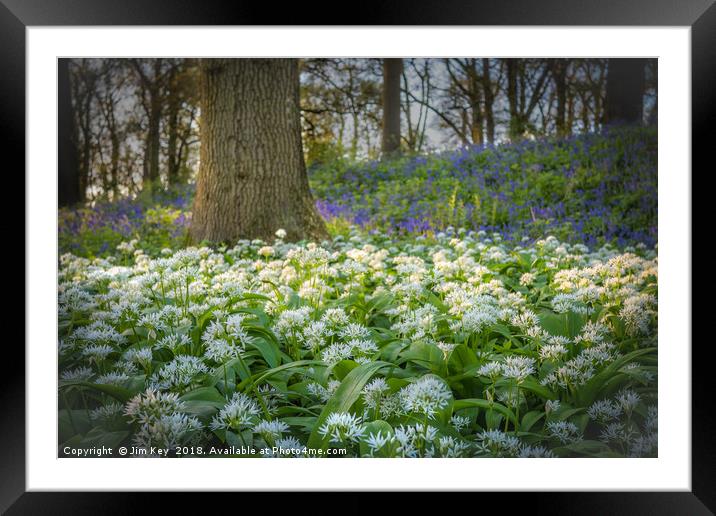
(518, 368)
(354, 331)
(527, 279)
(427, 395)
(415, 440)
(552, 351)
(151, 405)
(497, 443)
(446, 348)
(173, 342)
(564, 431)
(615, 432)
(627, 399)
(239, 413)
(377, 442)
(289, 322)
(460, 423)
(527, 451)
(342, 427)
(221, 351)
(112, 378)
(451, 447)
(286, 447)
(373, 392)
(270, 429)
(140, 356)
(478, 318)
(335, 317)
(314, 335)
(604, 411)
(552, 406)
(79, 374)
(179, 374)
(168, 431)
(644, 445)
(108, 412)
(492, 370)
(336, 352)
(96, 353)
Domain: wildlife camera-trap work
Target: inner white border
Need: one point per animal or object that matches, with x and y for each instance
(670, 471)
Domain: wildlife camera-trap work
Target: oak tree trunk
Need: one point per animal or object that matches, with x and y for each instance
(392, 72)
(252, 177)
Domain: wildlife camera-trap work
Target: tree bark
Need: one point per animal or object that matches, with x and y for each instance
(151, 160)
(392, 71)
(68, 188)
(515, 128)
(624, 101)
(489, 101)
(559, 73)
(252, 177)
(172, 137)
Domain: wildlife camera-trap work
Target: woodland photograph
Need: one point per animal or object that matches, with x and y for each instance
(357, 257)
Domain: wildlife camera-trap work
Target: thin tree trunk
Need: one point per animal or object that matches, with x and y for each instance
(152, 142)
(392, 71)
(86, 162)
(252, 178)
(172, 138)
(515, 128)
(489, 101)
(559, 73)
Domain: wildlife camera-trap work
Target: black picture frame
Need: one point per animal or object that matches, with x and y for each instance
(700, 15)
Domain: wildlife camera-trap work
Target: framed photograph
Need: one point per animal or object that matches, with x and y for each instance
(445, 249)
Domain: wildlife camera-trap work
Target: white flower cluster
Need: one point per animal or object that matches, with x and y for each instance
(467, 336)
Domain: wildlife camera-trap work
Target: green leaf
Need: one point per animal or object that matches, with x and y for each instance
(258, 378)
(532, 385)
(269, 351)
(529, 419)
(71, 422)
(589, 392)
(344, 397)
(98, 437)
(486, 405)
(119, 393)
(342, 368)
(208, 394)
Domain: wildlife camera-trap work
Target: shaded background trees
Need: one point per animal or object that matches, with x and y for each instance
(131, 126)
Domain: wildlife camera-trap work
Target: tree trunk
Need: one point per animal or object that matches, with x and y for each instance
(515, 130)
(68, 191)
(151, 151)
(252, 177)
(172, 139)
(474, 87)
(559, 73)
(86, 161)
(392, 71)
(625, 91)
(489, 101)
